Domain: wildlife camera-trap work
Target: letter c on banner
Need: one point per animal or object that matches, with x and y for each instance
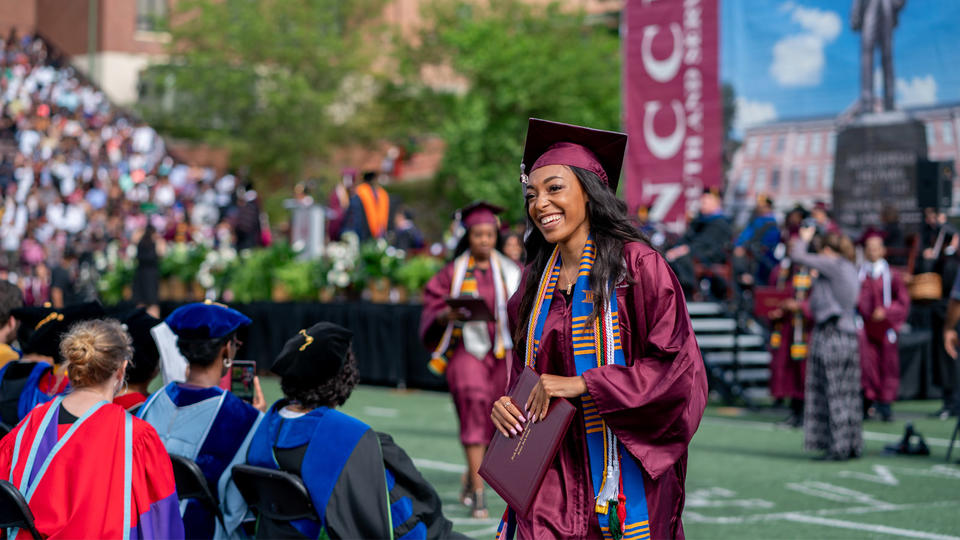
(661, 70)
(663, 147)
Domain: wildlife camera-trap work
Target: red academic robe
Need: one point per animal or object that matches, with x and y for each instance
(788, 376)
(474, 383)
(653, 404)
(81, 493)
(879, 355)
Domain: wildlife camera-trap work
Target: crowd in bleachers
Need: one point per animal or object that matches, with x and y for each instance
(78, 173)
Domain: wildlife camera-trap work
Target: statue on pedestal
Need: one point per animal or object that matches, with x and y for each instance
(875, 20)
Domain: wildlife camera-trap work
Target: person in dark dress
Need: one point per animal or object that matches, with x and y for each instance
(63, 281)
(146, 280)
(360, 482)
(833, 417)
(640, 394)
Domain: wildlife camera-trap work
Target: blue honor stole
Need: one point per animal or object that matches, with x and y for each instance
(620, 500)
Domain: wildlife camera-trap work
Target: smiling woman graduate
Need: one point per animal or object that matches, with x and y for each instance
(602, 318)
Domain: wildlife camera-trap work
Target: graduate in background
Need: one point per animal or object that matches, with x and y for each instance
(473, 354)
(108, 475)
(146, 361)
(200, 421)
(42, 373)
(883, 305)
(359, 480)
(640, 395)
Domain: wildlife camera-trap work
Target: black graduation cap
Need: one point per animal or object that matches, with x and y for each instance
(607, 147)
(314, 354)
(146, 357)
(50, 324)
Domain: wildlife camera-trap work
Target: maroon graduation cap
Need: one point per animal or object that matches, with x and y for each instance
(479, 212)
(554, 143)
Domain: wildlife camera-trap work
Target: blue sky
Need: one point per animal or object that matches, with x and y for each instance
(800, 58)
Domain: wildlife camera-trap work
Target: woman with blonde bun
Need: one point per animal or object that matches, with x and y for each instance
(86, 467)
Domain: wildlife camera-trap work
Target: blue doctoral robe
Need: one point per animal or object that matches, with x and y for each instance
(214, 428)
(361, 483)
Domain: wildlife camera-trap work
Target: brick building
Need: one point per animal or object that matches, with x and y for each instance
(792, 160)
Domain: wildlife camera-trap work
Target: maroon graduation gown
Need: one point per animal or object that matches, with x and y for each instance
(474, 384)
(879, 357)
(788, 376)
(653, 404)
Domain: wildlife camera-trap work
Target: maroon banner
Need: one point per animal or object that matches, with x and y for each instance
(672, 107)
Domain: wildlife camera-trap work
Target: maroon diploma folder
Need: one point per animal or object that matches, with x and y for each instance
(515, 467)
(767, 299)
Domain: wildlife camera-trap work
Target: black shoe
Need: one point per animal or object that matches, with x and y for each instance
(885, 412)
(793, 422)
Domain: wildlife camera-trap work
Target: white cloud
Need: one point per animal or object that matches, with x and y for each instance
(798, 59)
(917, 91)
(752, 113)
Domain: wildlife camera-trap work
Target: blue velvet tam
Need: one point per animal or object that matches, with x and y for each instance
(205, 320)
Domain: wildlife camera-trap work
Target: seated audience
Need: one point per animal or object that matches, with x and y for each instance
(198, 420)
(362, 484)
(10, 299)
(42, 373)
(145, 365)
(111, 477)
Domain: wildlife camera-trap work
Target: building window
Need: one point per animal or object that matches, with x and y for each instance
(774, 179)
(931, 133)
(947, 132)
(752, 145)
(831, 142)
(795, 179)
(745, 179)
(815, 141)
(801, 145)
(812, 177)
(781, 144)
(151, 15)
(760, 183)
(828, 177)
(765, 149)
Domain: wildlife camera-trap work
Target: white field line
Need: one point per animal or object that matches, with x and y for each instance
(439, 465)
(868, 435)
(484, 532)
(774, 516)
(882, 529)
(381, 411)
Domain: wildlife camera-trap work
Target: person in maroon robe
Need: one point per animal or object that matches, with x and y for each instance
(788, 363)
(473, 354)
(653, 403)
(883, 304)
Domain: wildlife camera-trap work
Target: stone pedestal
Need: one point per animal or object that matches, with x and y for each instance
(876, 166)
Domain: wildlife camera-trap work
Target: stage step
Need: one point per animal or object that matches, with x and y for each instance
(726, 341)
(744, 358)
(696, 309)
(714, 325)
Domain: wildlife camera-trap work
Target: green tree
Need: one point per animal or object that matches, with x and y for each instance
(277, 81)
(517, 61)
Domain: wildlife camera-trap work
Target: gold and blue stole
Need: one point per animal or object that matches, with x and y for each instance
(620, 503)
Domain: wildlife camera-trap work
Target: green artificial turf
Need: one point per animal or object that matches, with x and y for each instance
(746, 477)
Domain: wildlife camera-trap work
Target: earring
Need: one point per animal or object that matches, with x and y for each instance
(227, 363)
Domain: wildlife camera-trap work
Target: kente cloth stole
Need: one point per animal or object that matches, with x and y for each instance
(475, 335)
(376, 206)
(801, 286)
(620, 499)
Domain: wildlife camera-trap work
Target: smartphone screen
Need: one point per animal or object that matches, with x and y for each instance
(241, 378)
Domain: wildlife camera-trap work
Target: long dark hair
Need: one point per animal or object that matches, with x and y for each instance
(611, 229)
